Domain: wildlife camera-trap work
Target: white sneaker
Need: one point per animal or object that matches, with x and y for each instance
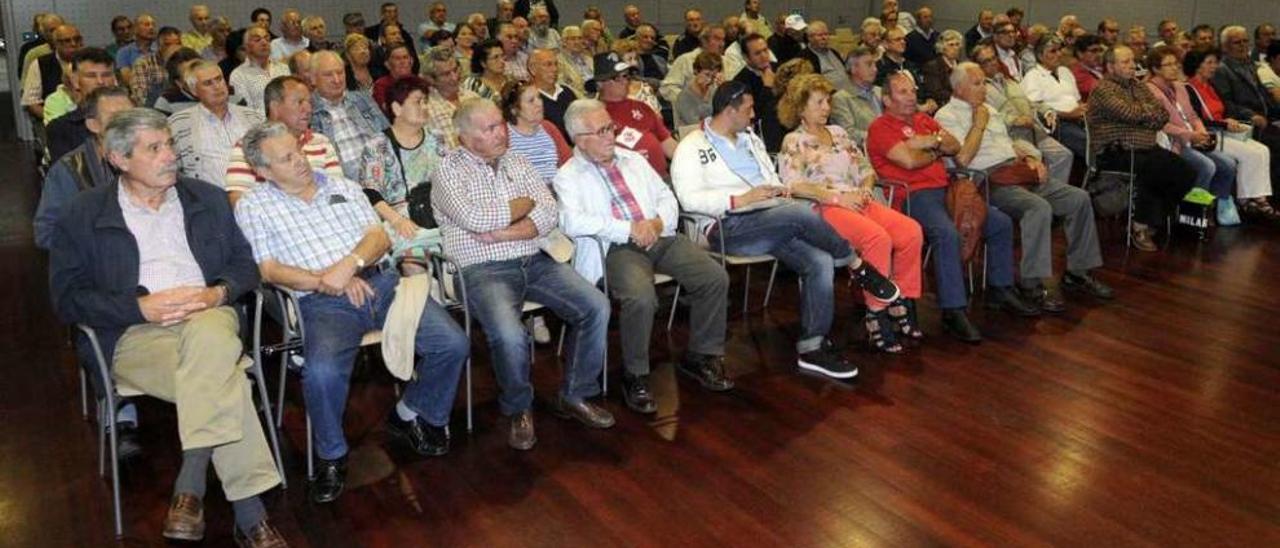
(538, 327)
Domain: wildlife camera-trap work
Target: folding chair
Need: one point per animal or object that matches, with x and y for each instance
(690, 221)
(891, 188)
(107, 427)
(1129, 176)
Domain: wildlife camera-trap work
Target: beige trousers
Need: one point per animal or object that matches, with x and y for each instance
(196, 366)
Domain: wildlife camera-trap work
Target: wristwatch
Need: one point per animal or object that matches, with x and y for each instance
(937, 138)
(360, 264)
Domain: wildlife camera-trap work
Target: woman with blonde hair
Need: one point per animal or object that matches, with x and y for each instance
(358, 53)
(819, 161)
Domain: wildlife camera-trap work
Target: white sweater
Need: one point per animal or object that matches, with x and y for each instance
(703, 181)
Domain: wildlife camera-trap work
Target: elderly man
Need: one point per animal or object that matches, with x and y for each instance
(640, 129)
(398, 64)
(825, 60)
(1168, 30)
(855, 110)
(437, 20)
(541, 35)
(1243, 94)
(1021, 116)
(653, 54)
(1123, 116)
(148, 77)
(494, 212)
(388, 15)
(787, 41)
(259, 67)
(288, 101)
(681, 70)
(894, 59)
(198, 38)
(45, 73)
(1109, 31)
(121, 34)
(152, 263)
(721, 170)
(313, 28)
(613, 196)
(691, 39)
(1202, 36)
(291, 38)
(545, 70)
(524, 8)
(90, 68)
(513, 54)
(440, 68)
(907, 145)
(84, 166)
(144, 43)
(1055, 89)
(755, 22)
(1263, 36)
(44, 25)
(204, 135)
(758, 75)
(1033, 199)
(504, 12)
(980, 30)
(319, 238)
(1006, 45)
(631, 21)
(354, 124)
(921, 41)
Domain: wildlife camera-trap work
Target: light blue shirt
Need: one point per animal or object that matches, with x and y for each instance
(737, 154)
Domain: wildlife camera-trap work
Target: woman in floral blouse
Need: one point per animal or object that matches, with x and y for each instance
(417, 153)
(820, 161)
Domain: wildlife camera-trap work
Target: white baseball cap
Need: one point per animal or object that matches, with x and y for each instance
(795, 21)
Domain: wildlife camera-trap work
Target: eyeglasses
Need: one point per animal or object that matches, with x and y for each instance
(606, 132)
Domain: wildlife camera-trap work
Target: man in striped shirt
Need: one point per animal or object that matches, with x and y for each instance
(205, 134)
(494, 210)
(288, 101)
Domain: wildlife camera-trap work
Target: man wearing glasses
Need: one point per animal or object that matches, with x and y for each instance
(44, 75)
(1056, 88)
(639, 128)
(614, 196)
(1088, 71)
(1006, 42)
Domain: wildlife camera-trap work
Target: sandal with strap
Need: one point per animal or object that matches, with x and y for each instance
(880, 332)
(1259, 207)
(903, 314)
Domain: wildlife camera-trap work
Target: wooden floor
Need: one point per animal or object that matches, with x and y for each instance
(1150, 420)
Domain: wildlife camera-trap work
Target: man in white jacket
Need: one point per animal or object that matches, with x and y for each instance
(723, 171)
(614, 196)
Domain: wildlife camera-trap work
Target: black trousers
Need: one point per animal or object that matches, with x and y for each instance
(1163, 178)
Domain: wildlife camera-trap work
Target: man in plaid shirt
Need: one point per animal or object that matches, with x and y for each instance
(318, 237)
(493, 210)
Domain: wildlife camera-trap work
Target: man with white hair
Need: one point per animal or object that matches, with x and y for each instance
(251, 77)
(437, 20)
(313, 28)
(153, 262)
(204, 135)
(199, 37)
(921, 42)
(825, 60)
(541, 35)
(353, 123)
(495, 212)
(1021, 187)
(291, 39)
(983, 28)
(681, 70)
(613, 196)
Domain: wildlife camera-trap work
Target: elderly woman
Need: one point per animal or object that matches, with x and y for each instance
(936, 73)
(357, 54)
(871, 36)
(417, 153)
(1253, 159)
(694, 102)
(1188, 136)
(463, 44)
(528, 133)
(575, 61)
(488, 71)
(819, 161)
(593, 37)
(640, 89)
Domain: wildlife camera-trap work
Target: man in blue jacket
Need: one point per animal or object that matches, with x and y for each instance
(151, 261)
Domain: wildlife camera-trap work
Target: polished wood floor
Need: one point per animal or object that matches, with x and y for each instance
(1150, 420)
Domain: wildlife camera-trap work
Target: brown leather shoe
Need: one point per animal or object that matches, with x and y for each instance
(522, 436)
(584, 412)
(185, 520)
(1142, 240)
(262, 535)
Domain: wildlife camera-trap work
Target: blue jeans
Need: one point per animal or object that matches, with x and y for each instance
(334, 328)
(1215, 172)
(496, 291)
(797, 236)
(929, 208)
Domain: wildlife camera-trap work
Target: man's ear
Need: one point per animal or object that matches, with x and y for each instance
(94, 126)
(117, 160)
(262, 173)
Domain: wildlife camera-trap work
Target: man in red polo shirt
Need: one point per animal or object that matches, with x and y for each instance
(907, 146)
(639, 128)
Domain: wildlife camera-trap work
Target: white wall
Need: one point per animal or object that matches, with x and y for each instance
(962, 14)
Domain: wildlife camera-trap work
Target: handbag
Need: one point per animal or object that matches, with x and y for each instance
(419, 200)
(1014, 173)
(968, 210)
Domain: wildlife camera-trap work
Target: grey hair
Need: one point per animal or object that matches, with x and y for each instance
(122, 132)
(189, 75)
(90, 107)
(437, 54)
(1229, 30)
(1047, 41)
(322, 54)
(466, 110)
(947, 36)
(960, 74)
(578, 110)
(253, 139)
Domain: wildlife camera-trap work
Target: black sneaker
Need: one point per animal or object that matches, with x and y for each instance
(1088, 284)
(707, 370)
(828, 362)
(873, 282)
(331, 476)
(423, 438)
(636, 394)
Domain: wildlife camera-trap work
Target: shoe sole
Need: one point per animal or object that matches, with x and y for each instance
(189, 537)
(703, 383)
(815, 368)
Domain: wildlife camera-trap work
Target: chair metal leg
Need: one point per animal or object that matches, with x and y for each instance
(102, 438)
(311, 465)
(109, 420)
(746, 290)
(675, 301)
(84, 395)
(768, 291)
(260, 380)
(560, 345)
(284, 372)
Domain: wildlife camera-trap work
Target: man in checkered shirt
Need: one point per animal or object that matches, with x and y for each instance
(494, 211)
(317, 236)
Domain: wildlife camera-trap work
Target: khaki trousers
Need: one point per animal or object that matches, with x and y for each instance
(196, 366)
